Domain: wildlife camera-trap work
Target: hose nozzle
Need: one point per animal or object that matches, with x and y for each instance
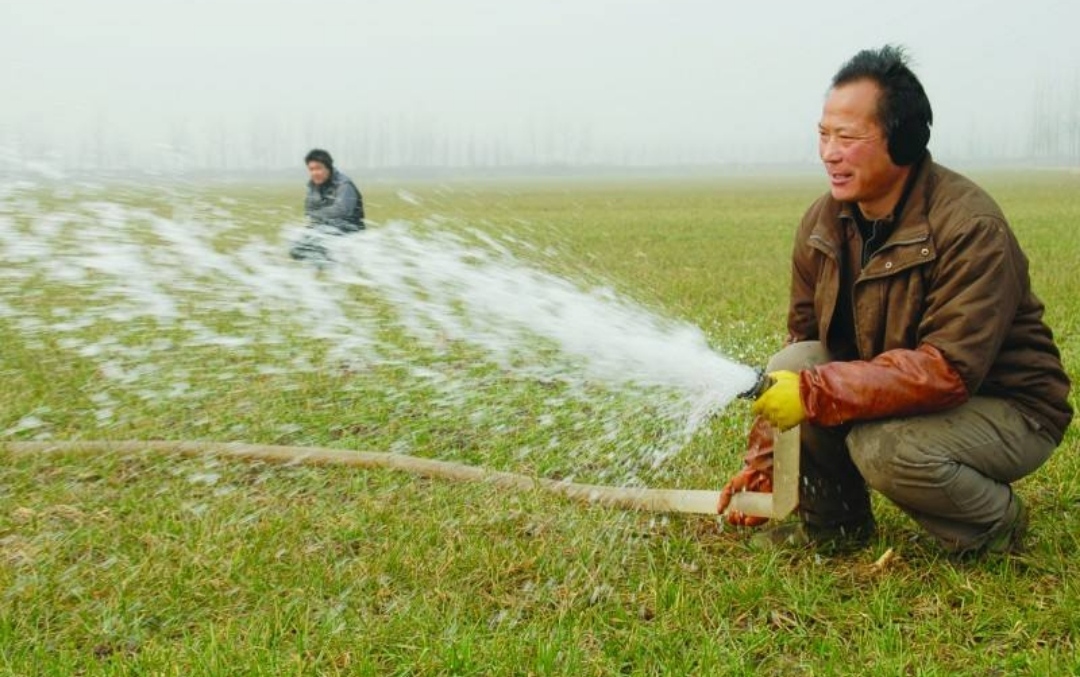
(763, 383)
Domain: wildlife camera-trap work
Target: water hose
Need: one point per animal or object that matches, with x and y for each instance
(775, 505)
(653, 500)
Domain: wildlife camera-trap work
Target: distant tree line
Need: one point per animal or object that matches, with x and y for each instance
(360, 142)
(1055, 123)
(367, 142)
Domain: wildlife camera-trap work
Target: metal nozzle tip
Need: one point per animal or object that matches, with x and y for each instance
(763, 383)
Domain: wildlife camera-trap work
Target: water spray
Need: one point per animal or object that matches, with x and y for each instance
(443, 288)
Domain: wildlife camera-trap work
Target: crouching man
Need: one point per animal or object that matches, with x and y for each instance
(918, 362)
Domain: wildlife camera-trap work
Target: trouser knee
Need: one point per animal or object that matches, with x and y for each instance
(869, 454)
(891, 460)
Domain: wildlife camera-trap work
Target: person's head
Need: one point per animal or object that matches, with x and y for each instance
(874, 126)
(319, 165)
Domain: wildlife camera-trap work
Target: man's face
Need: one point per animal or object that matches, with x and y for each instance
(318, 172)
(853, 146)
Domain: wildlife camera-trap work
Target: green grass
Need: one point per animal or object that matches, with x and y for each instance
(133, 564)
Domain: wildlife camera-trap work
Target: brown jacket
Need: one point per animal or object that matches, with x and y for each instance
(942, 311)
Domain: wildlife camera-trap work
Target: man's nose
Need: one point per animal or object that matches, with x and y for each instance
(828, 148)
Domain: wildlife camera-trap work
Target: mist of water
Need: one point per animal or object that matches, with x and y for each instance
(129, 266)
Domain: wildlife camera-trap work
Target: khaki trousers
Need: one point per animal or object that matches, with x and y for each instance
(950, 471)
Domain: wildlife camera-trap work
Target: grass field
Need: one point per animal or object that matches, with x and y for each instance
(136, 564)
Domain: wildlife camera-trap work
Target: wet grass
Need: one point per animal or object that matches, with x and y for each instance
(149, 564)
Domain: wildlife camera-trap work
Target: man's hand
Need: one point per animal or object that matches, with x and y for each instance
(781, 404)
(750, 478)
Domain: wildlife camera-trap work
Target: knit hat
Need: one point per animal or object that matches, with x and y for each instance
(321, 156)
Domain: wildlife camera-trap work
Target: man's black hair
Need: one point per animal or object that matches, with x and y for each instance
(903, 109)
(321, 156)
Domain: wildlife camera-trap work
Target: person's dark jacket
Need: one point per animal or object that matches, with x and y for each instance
(337, 202)
(942, 311)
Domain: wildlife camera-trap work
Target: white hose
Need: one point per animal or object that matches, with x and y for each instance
(653, 500)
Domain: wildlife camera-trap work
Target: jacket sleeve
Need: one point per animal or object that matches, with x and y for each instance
(341, 209)
(978, 283)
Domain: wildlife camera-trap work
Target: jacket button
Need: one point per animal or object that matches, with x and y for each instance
(888, 264)
(925, 251)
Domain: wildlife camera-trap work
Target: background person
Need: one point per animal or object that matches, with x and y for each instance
(333, 206)
(918, 362)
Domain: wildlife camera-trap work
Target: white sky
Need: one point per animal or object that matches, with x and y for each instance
(751, 75)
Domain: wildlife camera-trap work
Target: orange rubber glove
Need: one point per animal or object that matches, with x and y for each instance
(747, 479)
(895, 383)
(781, 404)
(755, 475)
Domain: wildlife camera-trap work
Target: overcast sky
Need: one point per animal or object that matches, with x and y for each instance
(746, 76)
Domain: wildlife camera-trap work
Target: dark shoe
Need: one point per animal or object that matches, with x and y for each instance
(1009, 539)
(800, 535)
